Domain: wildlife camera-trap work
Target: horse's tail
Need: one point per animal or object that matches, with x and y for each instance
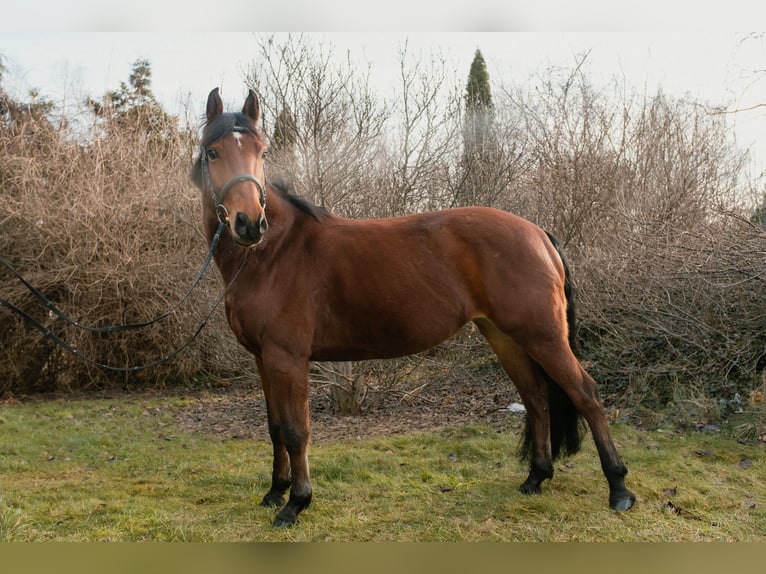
(566, 430)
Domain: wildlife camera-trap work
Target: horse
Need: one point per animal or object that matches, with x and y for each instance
(304, 284)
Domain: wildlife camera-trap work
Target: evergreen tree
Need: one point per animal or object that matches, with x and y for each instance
(133, 105)
(479, 110)
(13, 111)
(480, 148)
(285, 132)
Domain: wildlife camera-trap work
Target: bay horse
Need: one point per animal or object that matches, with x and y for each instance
(314, 286)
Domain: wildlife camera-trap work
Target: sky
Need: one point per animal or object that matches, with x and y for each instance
(716, 67)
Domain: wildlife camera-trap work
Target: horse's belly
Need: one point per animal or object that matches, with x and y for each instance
(381, 335)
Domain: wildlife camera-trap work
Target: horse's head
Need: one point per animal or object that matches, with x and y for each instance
(230, 168)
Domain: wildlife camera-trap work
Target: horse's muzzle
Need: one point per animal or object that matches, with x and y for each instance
(248, 232)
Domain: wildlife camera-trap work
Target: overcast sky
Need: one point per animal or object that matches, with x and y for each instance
(718, 68)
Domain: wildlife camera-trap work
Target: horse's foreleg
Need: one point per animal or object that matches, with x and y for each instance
(288, 408)
(280, 476)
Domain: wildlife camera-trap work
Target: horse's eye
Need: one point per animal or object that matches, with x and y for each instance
(211, 154)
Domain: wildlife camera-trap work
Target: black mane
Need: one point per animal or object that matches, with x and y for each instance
(282, 187)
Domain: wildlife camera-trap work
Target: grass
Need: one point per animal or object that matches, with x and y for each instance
(124, 470)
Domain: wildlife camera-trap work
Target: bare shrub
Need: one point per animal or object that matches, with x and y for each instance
(664, 308)
(107, 230)
(641, 190)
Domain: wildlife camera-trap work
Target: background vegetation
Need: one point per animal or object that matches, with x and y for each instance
(649, 194)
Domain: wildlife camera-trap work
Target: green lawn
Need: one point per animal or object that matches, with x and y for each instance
(125, 470)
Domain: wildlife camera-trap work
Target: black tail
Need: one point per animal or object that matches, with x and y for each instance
(569, 292)
(566, 430)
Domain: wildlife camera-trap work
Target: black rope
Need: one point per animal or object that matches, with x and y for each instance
(48, 304)
(169, 357)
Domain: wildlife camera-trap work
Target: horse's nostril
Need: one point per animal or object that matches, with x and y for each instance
(241, 224)
(250, 231)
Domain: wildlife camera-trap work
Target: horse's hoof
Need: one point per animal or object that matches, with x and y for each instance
(529, 488)
(280, 523)
(273, 500)
(285, 519)
(623, 502)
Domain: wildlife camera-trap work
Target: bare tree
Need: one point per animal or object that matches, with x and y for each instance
(425, 125)
(337, 118)
(572, 159)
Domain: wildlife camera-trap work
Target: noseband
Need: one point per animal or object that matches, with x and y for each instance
(220, 208)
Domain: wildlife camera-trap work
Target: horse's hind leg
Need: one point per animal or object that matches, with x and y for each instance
(534, 394)
(562, 366)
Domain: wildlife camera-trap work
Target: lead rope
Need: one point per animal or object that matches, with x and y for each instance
(48, 304)
(169, 357)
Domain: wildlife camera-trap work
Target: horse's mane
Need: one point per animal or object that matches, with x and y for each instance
(282, 187)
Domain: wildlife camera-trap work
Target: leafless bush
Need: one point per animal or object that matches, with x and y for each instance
(666, 309)
(107, 229)
(638, 189)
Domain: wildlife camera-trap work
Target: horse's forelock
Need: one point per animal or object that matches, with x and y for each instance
(224, 124)
(220, 127)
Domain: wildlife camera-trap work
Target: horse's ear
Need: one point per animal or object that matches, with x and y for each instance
(214, 105)
(251, 108)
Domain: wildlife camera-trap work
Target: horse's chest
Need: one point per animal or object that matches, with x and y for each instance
(237, 324)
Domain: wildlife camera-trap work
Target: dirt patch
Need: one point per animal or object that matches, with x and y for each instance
(236, 412)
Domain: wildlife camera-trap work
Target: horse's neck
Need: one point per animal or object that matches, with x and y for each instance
(229, 257)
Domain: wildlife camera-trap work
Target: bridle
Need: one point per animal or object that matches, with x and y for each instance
(220, 209)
